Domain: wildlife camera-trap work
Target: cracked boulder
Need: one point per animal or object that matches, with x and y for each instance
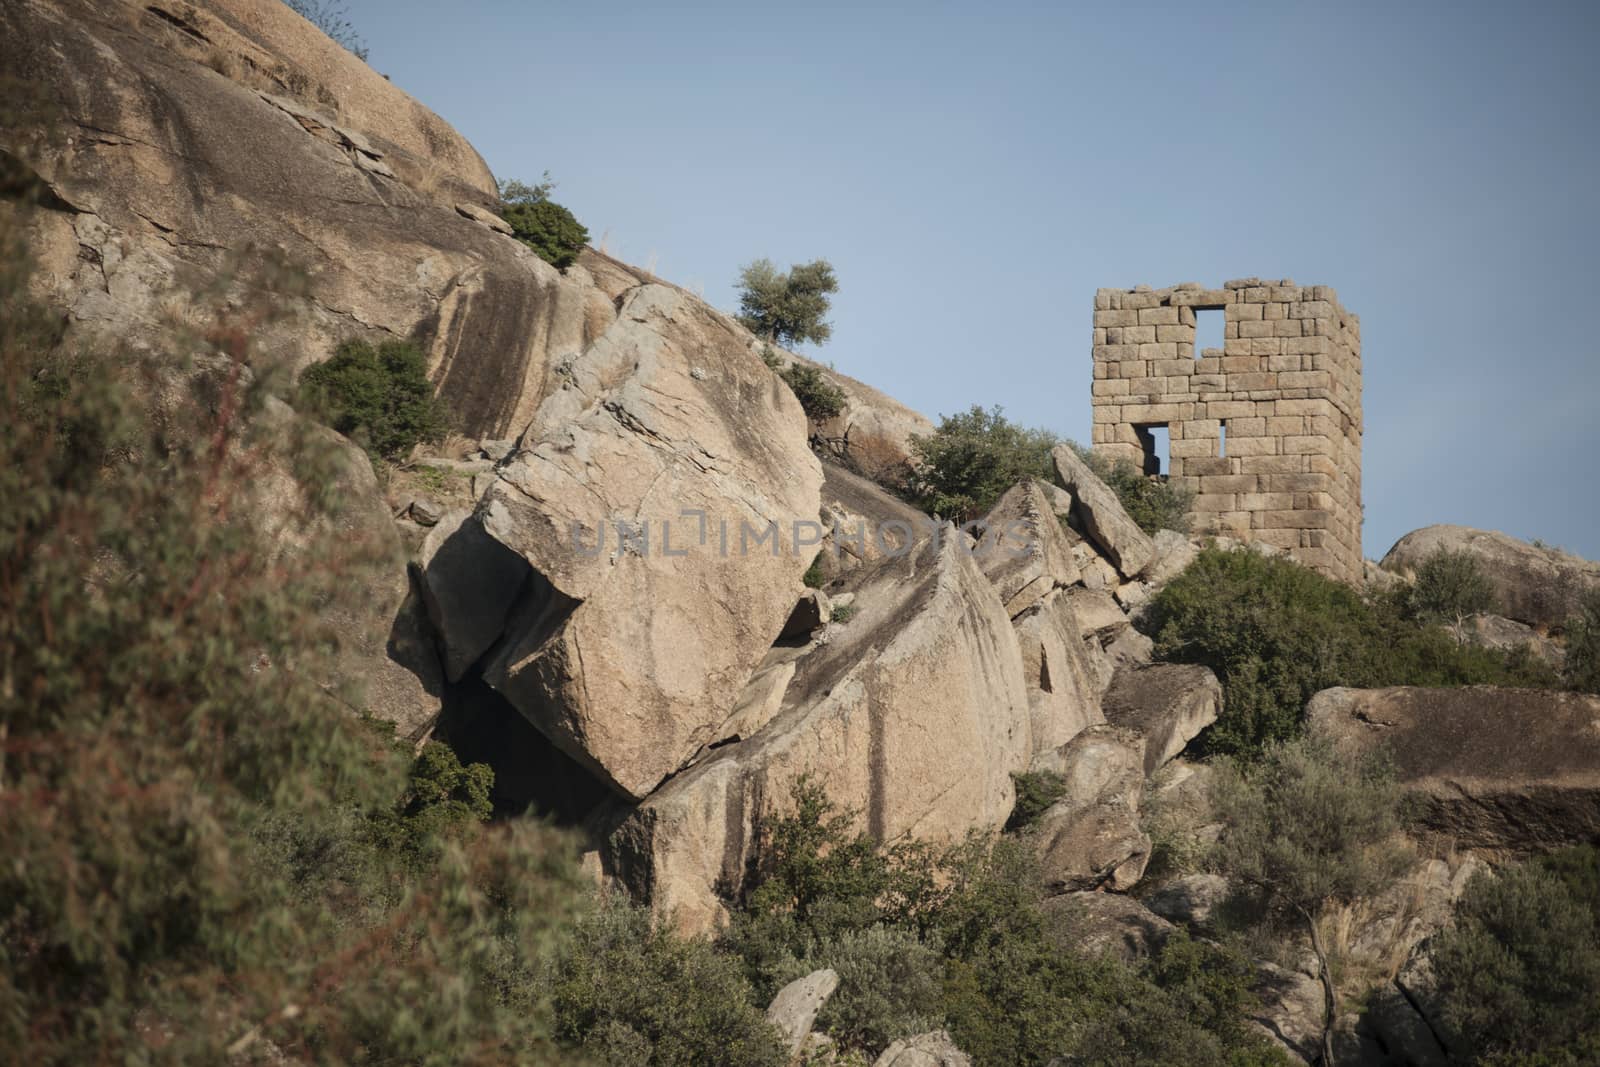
(912, 716)
(1090, 838)
(655, 498)
(1167, 704)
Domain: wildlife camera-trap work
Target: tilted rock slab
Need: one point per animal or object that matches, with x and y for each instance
(1101, 514)
(1167, 704)
(635, 641)
(912, 714)
(1495, 768)
(1533, 585)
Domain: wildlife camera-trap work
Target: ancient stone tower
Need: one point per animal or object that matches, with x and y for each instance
(1266, 430)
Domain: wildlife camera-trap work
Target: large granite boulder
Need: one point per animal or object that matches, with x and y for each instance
(1167, 704)
(933, 1049)
(1101, 516)
(794, 1010)
(1494, 768)
(872, 433)
(658, 498)
(1533, 584)
(912, 715)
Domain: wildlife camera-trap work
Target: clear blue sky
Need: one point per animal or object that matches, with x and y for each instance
(974, 172)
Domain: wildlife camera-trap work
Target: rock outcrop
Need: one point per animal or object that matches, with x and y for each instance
(1493, 768)
(208, 143)
(656, 498)
(1107, 923)
(933, 1049)
(1024, 552)
(1537, 585)
(912, 714)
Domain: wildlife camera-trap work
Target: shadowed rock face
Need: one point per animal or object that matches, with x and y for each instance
(629, 655)
(168, 175)
(912, 714)
(1167, 704)
(1495, 768)
(1533, 585)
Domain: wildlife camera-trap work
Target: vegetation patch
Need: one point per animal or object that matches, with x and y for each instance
(378, 396)
(1276, 633)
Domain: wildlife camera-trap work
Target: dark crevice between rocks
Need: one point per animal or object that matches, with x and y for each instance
(531, 775)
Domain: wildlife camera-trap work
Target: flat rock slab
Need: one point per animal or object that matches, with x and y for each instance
(1495, 768)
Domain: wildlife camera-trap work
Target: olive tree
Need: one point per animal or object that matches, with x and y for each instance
(1306, 827)
(1451, 587)
(786, 307)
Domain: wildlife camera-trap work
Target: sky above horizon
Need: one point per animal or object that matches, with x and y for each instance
(974, 173)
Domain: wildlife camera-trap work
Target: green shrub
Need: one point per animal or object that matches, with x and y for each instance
(787, 307)
(1154, 503)
(1519, 971)
(843, 613)
(813, 578)
(552, 231)
(442, 800)
(890, 986)
(186, 808)
(1451, 587)
(1036, 791)
(629, 991)
(1276, 633)
(961, 469)
(1012, 989)
(820, 398)
(1582, 667)
(1306, 826)
(379, 397)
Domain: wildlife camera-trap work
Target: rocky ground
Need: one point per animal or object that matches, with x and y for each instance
(575, 598)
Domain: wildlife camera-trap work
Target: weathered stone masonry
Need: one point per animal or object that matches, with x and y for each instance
(1266, 430)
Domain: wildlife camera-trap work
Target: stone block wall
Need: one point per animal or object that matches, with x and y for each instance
(1266, 430)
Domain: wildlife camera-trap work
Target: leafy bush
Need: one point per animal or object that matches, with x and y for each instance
(1276, 633)
(552, 231)
(1306, 826)
(890, 986)
(1451, 587)
(1011, 988)
(820, 398)
(1582, 668)
(1519, 971)
(629, 991)
(843, 613)
(187, 810)
(787, 307)
(961, 469)
(1036, 791)
(1153, 503)
(379, 397)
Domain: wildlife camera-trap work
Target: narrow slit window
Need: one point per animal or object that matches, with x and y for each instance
(1207, 330)
(1222, 439)
(1156, 443)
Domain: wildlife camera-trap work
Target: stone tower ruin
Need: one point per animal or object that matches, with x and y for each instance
(1266, 429)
